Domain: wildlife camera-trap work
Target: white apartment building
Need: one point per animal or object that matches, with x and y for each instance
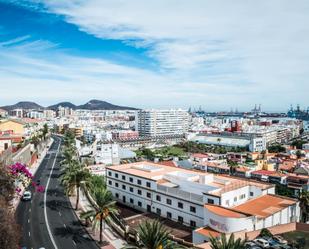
(107, 154)
(201, 200)
(151, 123)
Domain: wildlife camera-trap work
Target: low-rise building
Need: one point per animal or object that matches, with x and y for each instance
(198, 199)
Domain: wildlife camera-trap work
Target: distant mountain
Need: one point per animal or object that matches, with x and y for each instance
(23, 105)
(63, 104)
(95, 104)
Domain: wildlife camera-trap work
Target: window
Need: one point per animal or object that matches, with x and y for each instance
(169, 215)
(131, 201)
(148, 195)
(116, 175)
(243, 196)
(123, 177)
(116, 184)
(158, 211)
(110, 183)
(131, 189)
(169, 201)
(131, 179)
(123, 187)
(158, 198)
(180, 219)
(109, 173)
(139, 182)
(235, 199)
(210, 201)
(117, 195)
(227, 202)
(124, 199)
(139, 192)
(192, 209)
(139, 204)
(192, 223)
(148, 184)
(180, 204)
(251, 193)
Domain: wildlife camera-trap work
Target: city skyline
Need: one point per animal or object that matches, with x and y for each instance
(196, 54)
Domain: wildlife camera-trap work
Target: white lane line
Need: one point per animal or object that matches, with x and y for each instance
(29, 210)
(45, 197)
(59, 213)
(65, 226)
(74, 243)
(28, 220)
(29, 234)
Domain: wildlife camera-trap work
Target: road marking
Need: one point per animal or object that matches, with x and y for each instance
(74, 242)
(65, 226)
(29, 234)
(28, 220)
(59, 213)
(29, 210)
(45, 197)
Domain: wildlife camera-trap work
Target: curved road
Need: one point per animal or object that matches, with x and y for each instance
(48, 220)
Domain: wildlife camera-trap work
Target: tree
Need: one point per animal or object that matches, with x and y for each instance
(45, 131)
(153, 235)
(265, 233)
(298, 154)
(222, 243)
(35, 141)
(75, 177)
(276, 148)
(105, 207)
(9, 230)
(304, 205)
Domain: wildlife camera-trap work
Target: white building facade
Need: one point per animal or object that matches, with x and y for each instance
(151, 123)
(199, 200)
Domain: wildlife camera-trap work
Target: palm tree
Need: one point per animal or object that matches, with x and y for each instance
(153, 235)
(304, 205)
(45, 131)
(69, 154)
(222, 243)
(75, 177)
(105, 206)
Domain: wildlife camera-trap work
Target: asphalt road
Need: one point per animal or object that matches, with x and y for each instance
(48, 220)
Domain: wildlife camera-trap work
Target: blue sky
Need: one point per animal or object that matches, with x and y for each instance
(165, 53)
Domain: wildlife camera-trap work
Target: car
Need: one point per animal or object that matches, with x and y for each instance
(249, 244)
(26, 196)
(262, 242)
(280, 239)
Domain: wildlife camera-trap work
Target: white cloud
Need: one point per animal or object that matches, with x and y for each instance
(216, 53)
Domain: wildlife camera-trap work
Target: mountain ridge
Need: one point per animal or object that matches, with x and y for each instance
(93, 104)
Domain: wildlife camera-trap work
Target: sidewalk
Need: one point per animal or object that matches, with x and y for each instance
(32, 170)
(113, 239)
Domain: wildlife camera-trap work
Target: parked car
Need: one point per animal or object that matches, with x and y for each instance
(26, 196)
(249, 244)
(262, 242)
(280, 239)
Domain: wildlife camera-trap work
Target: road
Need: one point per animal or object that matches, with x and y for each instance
(48, 220)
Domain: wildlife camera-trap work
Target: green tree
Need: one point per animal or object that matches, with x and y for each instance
(153, 235)
(45, 131)
(265, 233)
(75, 177)
(223, 243)
(105, 207)
(35, 141)
(304, 205)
